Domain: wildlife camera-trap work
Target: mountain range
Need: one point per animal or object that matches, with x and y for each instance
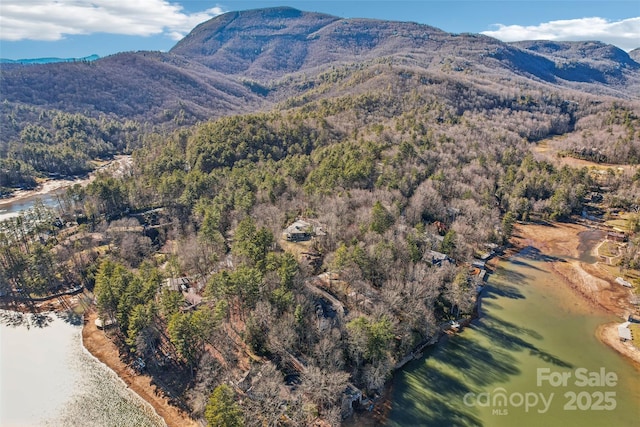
(408, 151)
(48, 60)
(252, 60)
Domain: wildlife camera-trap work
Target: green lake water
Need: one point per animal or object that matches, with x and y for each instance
(531, 359)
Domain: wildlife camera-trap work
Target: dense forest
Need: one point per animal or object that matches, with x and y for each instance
(398, 177)
(393, 178)
(40, 143)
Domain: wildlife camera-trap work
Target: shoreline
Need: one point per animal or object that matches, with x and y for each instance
(127, 386)
(48, 185)
(587, 281)
(96, 342)
(42, 189)
(557, 239)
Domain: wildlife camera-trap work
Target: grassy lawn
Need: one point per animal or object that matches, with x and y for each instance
(635, 334)
(619, 222)
(613, 270)
(609, 249)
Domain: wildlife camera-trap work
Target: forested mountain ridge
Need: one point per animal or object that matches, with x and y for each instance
(402, 153)
(243, 62)
(252, 43)
(47, 60)
(211, 71)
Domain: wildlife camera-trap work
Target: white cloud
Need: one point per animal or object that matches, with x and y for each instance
(624, 33)
(53, 19)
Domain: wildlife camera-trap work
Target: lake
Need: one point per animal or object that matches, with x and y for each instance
(14, 208)
(48, 379)
(531, 359)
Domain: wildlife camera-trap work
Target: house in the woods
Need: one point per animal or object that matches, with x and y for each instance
(438, 258)
(178, 284)
(299, 231)
(302, 230)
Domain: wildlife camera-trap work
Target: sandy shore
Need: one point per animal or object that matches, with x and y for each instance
(44, 188)
(590, 281)
(100, 346)
(116, 167)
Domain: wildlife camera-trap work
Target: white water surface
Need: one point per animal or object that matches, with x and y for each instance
(48, 379)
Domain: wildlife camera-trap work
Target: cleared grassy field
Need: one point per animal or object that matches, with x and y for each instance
(609, 249)
(635, 334)
(619, 223)
(550, 150)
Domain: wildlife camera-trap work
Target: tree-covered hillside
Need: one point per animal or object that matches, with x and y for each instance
(55, 143)
(253, 61)
(243, 62)
(401, 186)
(309, 244)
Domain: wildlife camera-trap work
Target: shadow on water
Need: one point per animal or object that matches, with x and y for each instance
(432, 390)
(511, 328)
(40, 320)
(433, 396)
(71, 317)
(510, 276)
(435, 387)
(480, 366)
(502, 291)
(531, 254)
(36, 319)
(511, 337)
(16, 319)
(487, 303)
(508, 335)
(12, 318)
(440, 405)
(525, 264)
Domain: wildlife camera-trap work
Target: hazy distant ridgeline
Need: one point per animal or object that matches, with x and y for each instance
(47, 60)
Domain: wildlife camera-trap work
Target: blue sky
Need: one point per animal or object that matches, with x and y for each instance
(76, 28)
